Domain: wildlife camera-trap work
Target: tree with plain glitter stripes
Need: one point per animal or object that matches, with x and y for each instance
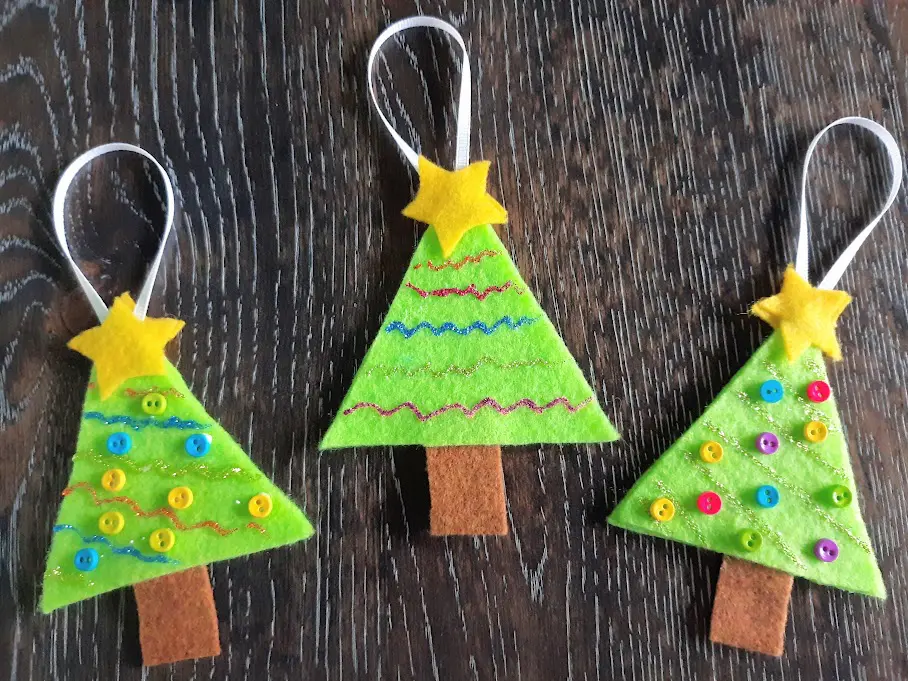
(466, 360)
(158, 489)
(764, 476)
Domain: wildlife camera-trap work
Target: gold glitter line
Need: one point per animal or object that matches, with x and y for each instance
(804, 449)
(812, 411)
(749, 514)
(683, 514)
(166, 469)
(68, 578)
(167, 392)
(800, 493)
(464, 371)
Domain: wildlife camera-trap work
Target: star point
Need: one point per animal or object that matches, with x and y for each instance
(453, 202)
(124, 347)
(806, 316)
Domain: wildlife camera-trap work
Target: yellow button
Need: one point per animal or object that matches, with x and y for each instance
(711, 452)
(113, 480)
(180, 497)
(815, 431)
(154, 403)
(111, 522)
(662, 509)
(260, 505)
(161, 540)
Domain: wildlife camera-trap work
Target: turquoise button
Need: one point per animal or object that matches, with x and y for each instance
(772, 391)
(86, 560)
(768, 496)
(198, 445)
(119, 444)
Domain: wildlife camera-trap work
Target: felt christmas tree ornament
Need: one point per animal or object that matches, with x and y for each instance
(158, 489)
(764, 476)
(466, 359)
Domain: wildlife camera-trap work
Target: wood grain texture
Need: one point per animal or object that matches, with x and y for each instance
(647, 154)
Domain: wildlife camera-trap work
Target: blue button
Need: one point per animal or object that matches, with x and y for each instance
(768, 496)
(119, 444)
(198, 445)
(86, 560)
(772, 391)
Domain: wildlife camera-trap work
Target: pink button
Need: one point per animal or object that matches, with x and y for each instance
(709, 503)
(818, 391)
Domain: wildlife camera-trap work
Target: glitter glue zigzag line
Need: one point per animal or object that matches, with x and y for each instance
(451, 326)
(139, 424)
(162, 468)
(134, 505)
(470, 412)
(471, 290)
(119, 550)
(167, 392)
(389, 370)
(470, 259)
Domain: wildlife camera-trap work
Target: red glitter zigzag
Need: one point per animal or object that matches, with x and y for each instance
(457, 265)
(470, 412)
(471, 290)
(134, 505)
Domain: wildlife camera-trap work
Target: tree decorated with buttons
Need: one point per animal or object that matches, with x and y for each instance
(764, 476)
(466, 359)
(158, 488)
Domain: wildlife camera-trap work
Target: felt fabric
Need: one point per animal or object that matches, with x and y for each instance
(804, 315)
(466, 485)
(454, 201)
(467, 356)
(217, 525)
(123, 347)
(751, 607)
(177, 617)
(804, 473)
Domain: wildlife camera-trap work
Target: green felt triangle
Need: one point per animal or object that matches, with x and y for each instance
(467, 356)
(222, 482)
(803, 472)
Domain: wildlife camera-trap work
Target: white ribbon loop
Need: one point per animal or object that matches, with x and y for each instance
(462, 154)
(63, 185)
(895, 160)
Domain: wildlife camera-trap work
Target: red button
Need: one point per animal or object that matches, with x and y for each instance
(709, 503)
(818, 391)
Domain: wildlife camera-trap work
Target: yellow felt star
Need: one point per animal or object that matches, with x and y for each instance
(805, 315)
(454, 202)
(123, 347)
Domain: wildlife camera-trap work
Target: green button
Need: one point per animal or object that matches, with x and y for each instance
(750, 540)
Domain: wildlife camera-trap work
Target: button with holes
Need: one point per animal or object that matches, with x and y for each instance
(818, 391)
(113, 480)
(826, 550)
(767, 443)
(772, 391)
(162, 540)
(816, 431)
(709, 503)
(711, 452)
(767, 496)
(154, 404)
(260, 505)
(86, 560)
(111, 522)
(180, 498)
(840, 496)
(750, 540)
(198, 445)
(119, 444)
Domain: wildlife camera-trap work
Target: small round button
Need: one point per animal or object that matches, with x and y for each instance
(86, 560)
(818, 391)
(772, 391)
(162, 540)
(816, 431)
(662, 509)
(119, 444)
(154, 404)
(767, 496)
(709, 503)
(113, 480)
(111, 522)
(711, 452)
(198, 445)
(260, 505)
(840, 496)
(750, 540)
(180, 497)
(767, 443)
(826, 550)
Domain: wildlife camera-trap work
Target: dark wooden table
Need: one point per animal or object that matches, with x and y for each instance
(647, 155)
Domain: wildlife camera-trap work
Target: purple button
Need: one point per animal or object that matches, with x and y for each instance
(826, 550)
(767, 443)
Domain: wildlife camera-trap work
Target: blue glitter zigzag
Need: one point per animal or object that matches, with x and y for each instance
(120, 550)
(139, 424)
(451, 326)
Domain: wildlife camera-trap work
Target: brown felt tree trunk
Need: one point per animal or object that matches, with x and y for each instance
(466, 488)
(177, 617)
(751, 607)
